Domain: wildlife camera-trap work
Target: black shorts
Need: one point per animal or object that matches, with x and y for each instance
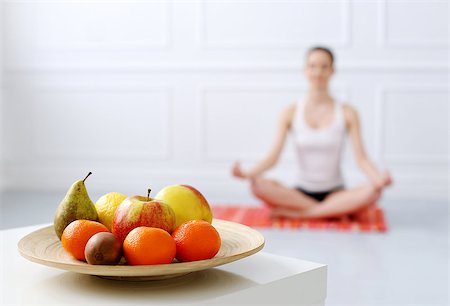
(319, 195)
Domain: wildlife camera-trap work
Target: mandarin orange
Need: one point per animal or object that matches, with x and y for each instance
(196, 240)
(148, 246)
(76, 235)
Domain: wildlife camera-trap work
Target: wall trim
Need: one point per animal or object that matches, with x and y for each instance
(205, 88)
(163, 45)
(162, 155)
(383, 40)
(345, 41)
(380, 109)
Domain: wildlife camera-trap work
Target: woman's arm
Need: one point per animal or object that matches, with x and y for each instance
(277, 147)
(365, 164)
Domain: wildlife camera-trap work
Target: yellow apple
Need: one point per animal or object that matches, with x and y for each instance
(106, 206)
(187, 203)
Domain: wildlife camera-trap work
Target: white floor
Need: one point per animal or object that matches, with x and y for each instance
(406, 266)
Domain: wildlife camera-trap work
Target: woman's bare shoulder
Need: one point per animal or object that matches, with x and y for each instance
(350, 114)
(349, 110)
(288, 113)
(290, 109)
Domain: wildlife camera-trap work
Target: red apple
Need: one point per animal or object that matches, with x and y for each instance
(138, 211)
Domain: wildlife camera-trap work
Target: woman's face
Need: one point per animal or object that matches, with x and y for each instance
(318, 68)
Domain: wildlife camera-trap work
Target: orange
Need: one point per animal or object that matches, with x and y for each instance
(148, 246)
(76, 235)
(196, 240)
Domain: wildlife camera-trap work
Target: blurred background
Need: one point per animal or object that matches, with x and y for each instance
(150, 93)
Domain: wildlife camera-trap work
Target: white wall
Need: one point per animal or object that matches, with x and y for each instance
(152, 92)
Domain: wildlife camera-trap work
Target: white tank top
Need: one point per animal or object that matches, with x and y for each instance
(318, 151)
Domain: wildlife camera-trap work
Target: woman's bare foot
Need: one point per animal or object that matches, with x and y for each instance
(365, 214)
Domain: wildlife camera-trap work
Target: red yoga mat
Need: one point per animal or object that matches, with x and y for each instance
(372, 220)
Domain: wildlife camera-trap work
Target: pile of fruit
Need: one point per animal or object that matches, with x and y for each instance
(173, 226)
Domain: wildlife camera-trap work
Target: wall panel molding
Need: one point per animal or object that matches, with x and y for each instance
(342, 91)
(344, 41)
(383, 30)
(117, 152)
(185, 60)
(202, 127)
(380, 124)
(96, 46)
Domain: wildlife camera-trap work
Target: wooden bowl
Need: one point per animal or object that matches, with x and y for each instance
(238, 241)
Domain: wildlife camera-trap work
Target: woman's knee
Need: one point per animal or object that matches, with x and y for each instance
(259, 186)
(371, 194)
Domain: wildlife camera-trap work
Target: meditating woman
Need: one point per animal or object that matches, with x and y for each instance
(318, 124)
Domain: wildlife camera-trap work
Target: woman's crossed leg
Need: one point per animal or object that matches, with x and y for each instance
(291, 203)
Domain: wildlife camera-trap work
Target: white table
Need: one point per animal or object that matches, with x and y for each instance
(262, 279)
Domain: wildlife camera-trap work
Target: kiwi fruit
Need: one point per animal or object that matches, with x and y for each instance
(103, 249)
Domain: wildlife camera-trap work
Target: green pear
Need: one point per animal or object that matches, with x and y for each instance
(76, 205)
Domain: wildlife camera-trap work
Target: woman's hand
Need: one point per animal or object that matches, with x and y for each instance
(384, 181)
(386, 178)
(236, 171)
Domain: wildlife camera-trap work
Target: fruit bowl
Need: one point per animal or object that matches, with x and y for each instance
(238, 241)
